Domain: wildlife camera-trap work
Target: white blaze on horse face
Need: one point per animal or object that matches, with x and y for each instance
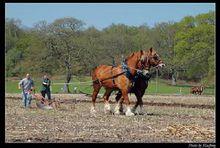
(161, 65)
(145, 72)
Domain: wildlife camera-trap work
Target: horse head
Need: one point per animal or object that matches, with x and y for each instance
(150, 58)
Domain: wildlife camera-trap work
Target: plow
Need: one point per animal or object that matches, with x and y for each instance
(43, 103)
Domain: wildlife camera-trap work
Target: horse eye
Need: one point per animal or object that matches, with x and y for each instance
(155, 57)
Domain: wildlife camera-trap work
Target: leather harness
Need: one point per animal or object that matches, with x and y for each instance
(126, 71)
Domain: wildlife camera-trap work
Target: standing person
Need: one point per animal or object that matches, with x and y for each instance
(46, 87)
(27, 85)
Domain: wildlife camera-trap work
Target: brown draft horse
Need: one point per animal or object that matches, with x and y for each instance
(114, 78)
(197, 89)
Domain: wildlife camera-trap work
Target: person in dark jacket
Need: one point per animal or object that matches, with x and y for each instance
(46, 87)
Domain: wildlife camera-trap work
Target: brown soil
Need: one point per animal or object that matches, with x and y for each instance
(72, 122)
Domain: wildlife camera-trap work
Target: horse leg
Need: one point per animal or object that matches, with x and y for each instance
(96, 88)
(138, 97)
(137, 102)
(127, 102)
(135, 107)
(107, 107)
(141, 112)
(119, 106)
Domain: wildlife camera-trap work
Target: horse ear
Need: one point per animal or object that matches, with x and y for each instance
(151, 49)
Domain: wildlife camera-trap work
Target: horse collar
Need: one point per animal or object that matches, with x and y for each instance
(126, 70)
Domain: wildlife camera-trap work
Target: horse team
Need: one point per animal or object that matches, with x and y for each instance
(130, 77)
(121, 78)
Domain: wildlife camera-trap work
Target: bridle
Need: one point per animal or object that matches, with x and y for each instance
(149, 58)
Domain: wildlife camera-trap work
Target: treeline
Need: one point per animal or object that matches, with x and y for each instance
(65, 46)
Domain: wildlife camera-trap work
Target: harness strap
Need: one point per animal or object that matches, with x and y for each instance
(112, 77)
(126, 70)
(100, 81)
(113, 80)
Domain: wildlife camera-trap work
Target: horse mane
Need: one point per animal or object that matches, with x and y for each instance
(131, 55)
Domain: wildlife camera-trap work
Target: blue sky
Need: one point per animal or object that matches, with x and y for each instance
(102, 15)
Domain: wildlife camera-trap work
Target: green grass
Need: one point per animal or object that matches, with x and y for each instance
(163, 88)
(11, 86)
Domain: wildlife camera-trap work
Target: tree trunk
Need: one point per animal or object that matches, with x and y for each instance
(173, 79)
(68, 78)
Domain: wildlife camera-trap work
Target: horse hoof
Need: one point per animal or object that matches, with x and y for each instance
(107, 107)
(107, 111)
(134, 111)
(117, 113)
(121, 110)
(141, 113)
(92, 111)
(129, 114)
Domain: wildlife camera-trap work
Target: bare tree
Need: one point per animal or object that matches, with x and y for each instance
(60, 37)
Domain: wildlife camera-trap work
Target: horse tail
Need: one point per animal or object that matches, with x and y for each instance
(93, 73)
